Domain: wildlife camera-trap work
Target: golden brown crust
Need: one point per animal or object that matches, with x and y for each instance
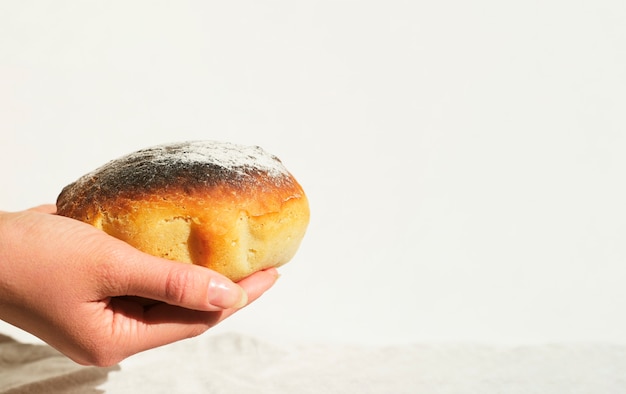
(235, 215)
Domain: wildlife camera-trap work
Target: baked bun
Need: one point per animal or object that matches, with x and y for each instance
(234, 209)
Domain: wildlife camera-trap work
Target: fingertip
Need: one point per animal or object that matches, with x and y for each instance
(273, 272)
(263, 275)
(259, 282)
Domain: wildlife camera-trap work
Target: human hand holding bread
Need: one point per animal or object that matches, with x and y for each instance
(68, 282)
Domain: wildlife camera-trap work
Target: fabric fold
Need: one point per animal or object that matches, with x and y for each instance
(31, 368)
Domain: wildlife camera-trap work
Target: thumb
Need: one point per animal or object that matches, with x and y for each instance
(185, 285)
(45, 208)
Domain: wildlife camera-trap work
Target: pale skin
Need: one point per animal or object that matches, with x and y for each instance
(83, 291)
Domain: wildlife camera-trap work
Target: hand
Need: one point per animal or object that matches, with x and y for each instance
(66, 282)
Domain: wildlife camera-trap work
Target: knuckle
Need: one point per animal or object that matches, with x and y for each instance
(178, 284)
(109, 266)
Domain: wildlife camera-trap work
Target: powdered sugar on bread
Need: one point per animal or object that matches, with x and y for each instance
(222, 154)
(188, 165)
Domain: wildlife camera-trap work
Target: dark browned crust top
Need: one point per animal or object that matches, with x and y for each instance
(167, 167)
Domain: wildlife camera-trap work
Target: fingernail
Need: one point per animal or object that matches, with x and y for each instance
(225, 295)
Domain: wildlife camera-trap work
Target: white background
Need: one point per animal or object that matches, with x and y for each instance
(464, 160)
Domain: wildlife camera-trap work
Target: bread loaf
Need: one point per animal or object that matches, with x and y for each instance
(231, 208)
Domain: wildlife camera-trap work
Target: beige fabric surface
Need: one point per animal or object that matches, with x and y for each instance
(31, 368)
(242, 364)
